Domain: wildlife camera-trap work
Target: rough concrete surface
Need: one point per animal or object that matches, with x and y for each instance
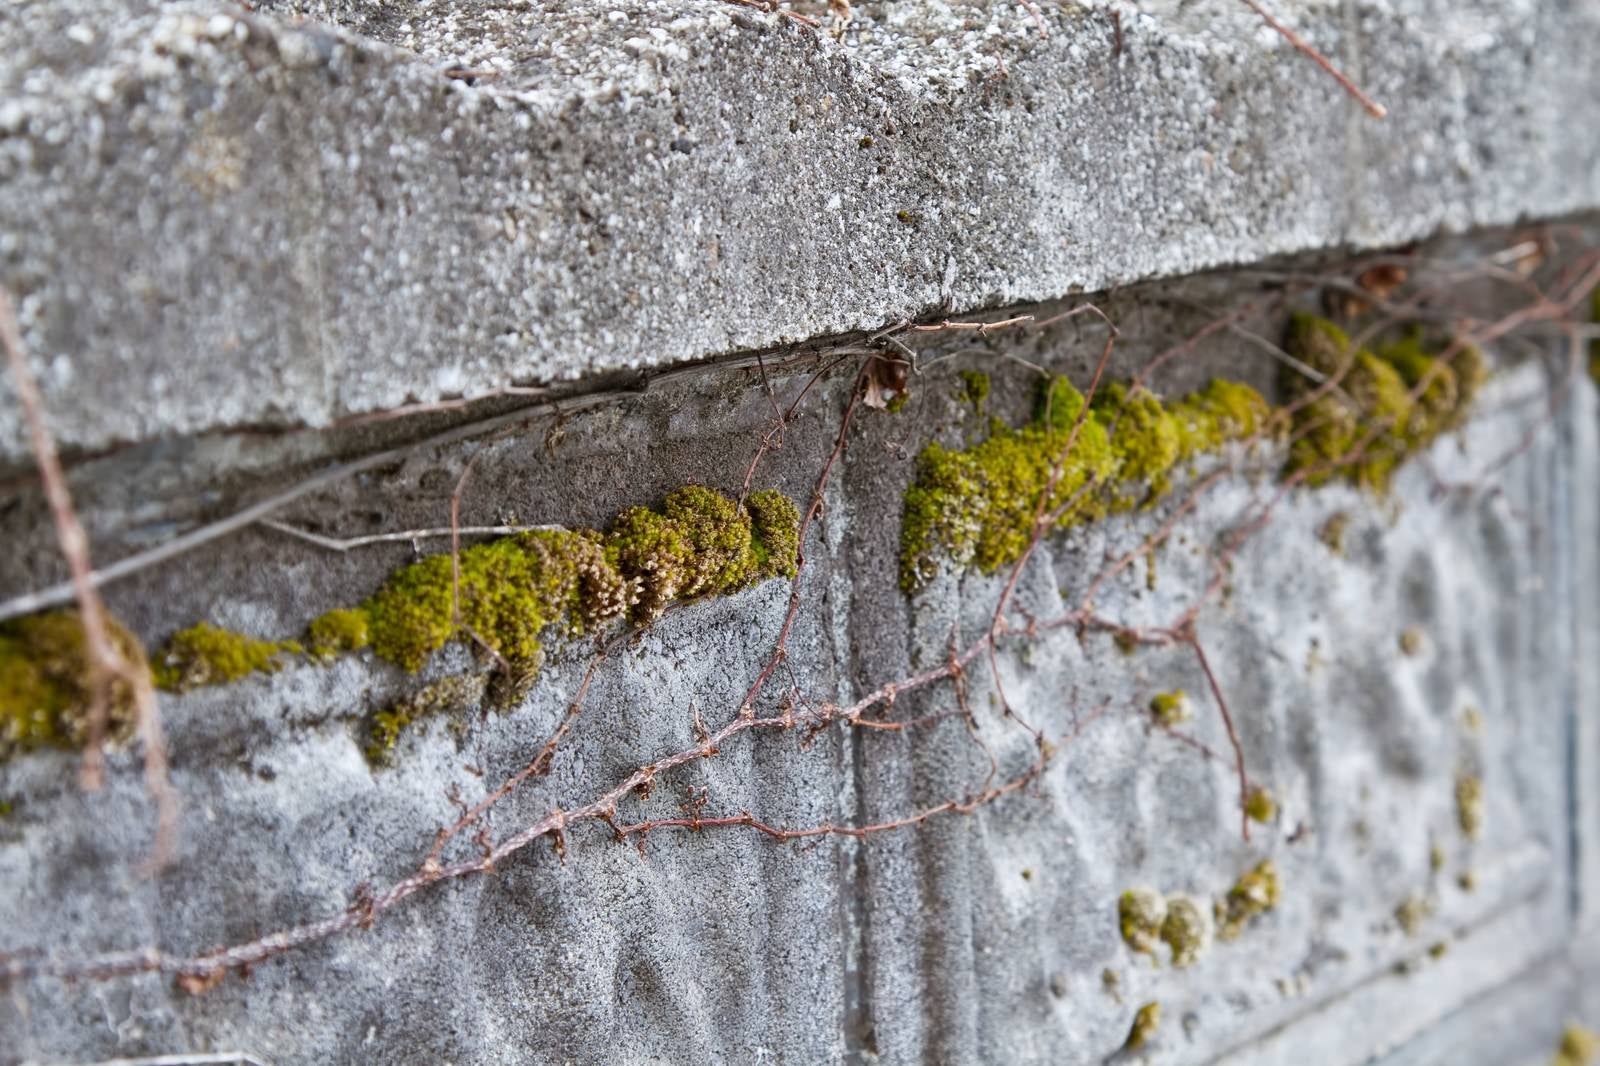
(216, 218)
(975, 938)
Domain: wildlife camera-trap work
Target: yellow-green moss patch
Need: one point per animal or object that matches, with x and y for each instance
(1140, 914)
(205, 654)
(1145, 1023)
(1371, 402)
(46, 683)
(1187, 930)
(977, 506)
(1260, 806)
(1255, 893)
(1171, 708)
(339, 630)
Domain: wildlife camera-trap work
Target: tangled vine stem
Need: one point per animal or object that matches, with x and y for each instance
(871, 713)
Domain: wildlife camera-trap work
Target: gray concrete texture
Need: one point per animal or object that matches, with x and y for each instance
(977, 938)
(220, 219)
(231, 231)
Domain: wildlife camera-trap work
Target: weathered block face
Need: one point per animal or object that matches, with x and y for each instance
(991, 687)
(1052, 836)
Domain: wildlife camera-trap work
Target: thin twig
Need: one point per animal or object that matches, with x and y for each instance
(1375, 109)
(405, 536)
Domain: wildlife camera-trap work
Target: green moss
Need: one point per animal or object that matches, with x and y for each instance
(1578, 1047)
(451, 695)
(975, 388)
(1186, 930)
(775, 533)
(45, 683)
(1171, 708)
(898, 401)
(205, 654)
(1255, 893)
(977, 506)
(1145, 1023)
(513, 590)
(1372, 399)
(1469, 804)
(1140, 914)
(1260, 806)
(339, 630)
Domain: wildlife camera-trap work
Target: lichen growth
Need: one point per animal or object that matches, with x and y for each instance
(450, 695)
(1260, 806)
(1145, 1023)
(1140, 915)
(1171, 708)
(1187, 930)
(339, 630)
(1254, 894)
(977, 506)
(1412, 641)
(47, 683)
(1469, 804)
(1578, 1047)
(1362, 429)
(205, 654)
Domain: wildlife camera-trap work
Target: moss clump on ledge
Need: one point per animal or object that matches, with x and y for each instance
(1255, 893)
(45, 683)
(1260, 805)
(1171, 708)
(512, 592)
(1145, 1024)
(205, 654)
(339, 630)
(977, 506)
(1187, 930)
(1140, 914)
(1372, 399)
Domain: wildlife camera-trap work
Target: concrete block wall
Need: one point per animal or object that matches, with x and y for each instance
(235, 234)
